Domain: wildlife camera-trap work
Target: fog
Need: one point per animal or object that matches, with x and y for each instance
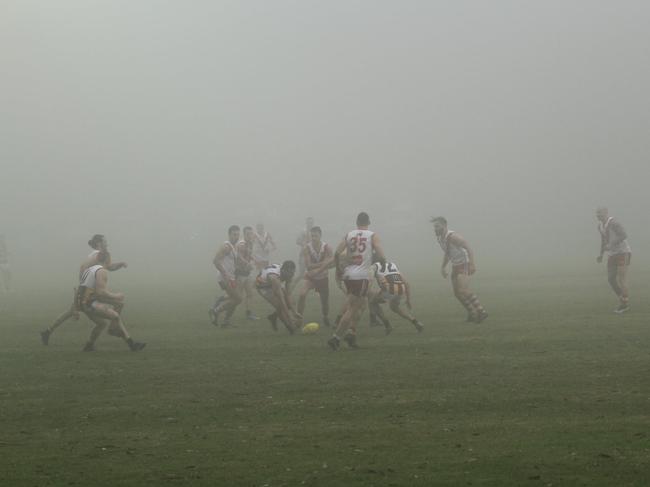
(161, 123)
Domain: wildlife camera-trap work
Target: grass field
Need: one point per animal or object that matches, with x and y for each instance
(552, 390)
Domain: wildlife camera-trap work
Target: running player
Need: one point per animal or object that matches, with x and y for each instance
(313, 255)
(458, 252)
(360, 245)
(101, 305)
(225, 261)
(273, 284)
(301, 241)
(99, 256)
(613, 242)
(262, 247)
(393, 286)
(244, 266)
(5, 270)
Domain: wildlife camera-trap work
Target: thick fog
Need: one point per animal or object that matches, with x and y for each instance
(161, 123)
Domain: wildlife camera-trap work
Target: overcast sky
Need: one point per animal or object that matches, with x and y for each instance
(152, 121)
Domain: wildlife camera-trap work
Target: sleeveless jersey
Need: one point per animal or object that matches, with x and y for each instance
(390, 275)
(87, 285)
(263, 277)
(457, 255)
(622, 247)
(229, 262)
(262, 246)
(245, 253)
(317, 257)
(359, 248)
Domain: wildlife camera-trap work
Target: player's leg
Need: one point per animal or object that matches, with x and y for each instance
(247, 285)
(395, 305)
(356, 292)
(472, 299)
(307, 286)
(324, 293)
(375, 300)
(621, 276)
(116, 325)
(100, 325)
(461, 292)
(278, 313)
(71, 313)
(612, 278)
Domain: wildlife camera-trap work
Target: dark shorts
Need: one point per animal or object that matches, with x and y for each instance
(357, 287)
(619, 260)
(319, 285)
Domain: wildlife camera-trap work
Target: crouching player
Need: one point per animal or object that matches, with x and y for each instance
(392, 288)
(273, 284)
(101, 305)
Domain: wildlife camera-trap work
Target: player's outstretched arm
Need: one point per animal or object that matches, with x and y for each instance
(218, 259)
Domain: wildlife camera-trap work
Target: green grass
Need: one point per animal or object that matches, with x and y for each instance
(552, 390)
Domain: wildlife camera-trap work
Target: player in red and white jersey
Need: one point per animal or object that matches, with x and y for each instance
(458, 252)
(393, 286)
(314, 254)
(225, 261)
(244, 266)
(613, 242)
(99, 256)
(273, 284)
(263, 245)
(360, 244)
(302, 240)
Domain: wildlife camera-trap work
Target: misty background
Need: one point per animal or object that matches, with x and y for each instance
(161, 123)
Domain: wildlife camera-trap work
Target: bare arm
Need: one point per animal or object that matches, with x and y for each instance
(376, 246)
(276, 285)
(218, 260)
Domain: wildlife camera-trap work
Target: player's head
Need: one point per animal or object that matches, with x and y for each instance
(439, 224)
(248, 233)
(602, 214)
(233, 234)
(98, 242)
(363, 220)
(287, 270)
(309, 222)
(259, 228)
(315, 233)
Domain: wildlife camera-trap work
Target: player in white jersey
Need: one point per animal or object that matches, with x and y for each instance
(393, 286)
(99, 255)
(360, 245)
(225, 261)
(263, 245)
(458, 252)
(244, 267)
(301, 241)
(5, 269)
(273, 284)
(97, 302)
(313, 255)
(613, 242)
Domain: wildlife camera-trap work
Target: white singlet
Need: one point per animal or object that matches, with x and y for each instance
(89, 277)
(317, 258)
(359, 247)
(263, 276)
(262, 247)
(388, 271)
(457, 255)
(228, 263)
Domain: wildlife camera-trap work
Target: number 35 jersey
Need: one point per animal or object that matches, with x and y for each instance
(359, 248)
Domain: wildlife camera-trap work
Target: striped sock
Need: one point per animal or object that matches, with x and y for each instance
(473, 299)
